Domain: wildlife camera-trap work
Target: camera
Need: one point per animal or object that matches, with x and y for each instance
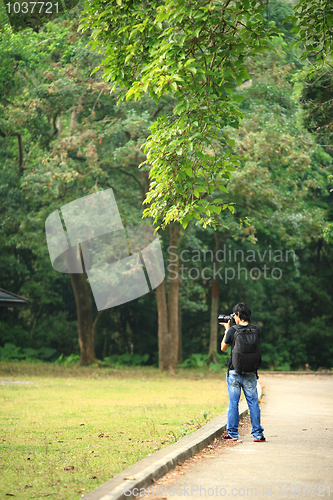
(224, 318)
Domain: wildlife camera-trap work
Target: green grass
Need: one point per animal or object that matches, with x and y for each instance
(68, 430)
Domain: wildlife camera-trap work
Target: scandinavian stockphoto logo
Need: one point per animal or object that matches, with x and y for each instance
(122, 263)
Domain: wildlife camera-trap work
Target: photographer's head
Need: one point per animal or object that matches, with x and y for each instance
(242, 311)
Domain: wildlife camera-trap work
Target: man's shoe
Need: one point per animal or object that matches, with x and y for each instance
(260, 439)
(227, 437)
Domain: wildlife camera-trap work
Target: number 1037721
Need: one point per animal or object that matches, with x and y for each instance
(313, 490)
(32, 8)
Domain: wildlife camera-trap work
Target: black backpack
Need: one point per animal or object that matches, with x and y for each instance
(245, 349)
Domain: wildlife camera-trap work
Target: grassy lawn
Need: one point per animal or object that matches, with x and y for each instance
(67, 430)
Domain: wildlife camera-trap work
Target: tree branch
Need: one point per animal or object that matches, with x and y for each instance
(157, 111)
(20, 150)
(135, 178)
(96, 321)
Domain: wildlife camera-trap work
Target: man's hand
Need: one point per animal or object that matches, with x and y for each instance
(226, 325)
(224, 346)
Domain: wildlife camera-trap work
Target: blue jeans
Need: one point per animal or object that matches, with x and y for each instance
(248, 382)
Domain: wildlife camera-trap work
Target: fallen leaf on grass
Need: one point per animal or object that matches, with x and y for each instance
(94, 477)
(69, 467)
(10, 494)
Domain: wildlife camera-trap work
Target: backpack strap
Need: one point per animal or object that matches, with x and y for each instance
(236, 327)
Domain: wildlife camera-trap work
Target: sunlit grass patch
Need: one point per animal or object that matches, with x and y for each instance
(66, 435)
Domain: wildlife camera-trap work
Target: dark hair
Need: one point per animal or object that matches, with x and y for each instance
(243, 310)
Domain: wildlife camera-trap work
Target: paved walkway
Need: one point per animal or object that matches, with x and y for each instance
(295, 461)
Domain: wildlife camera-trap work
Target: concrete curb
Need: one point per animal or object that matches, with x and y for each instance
(150, 469)
(322, 372)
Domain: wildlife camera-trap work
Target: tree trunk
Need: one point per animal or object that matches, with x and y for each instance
(84, 308)
(20, 151)
(173, 302)
(164, 338)
(168, 329)
(73, 122)
(59, 125)
(214, 312)
(214, 323)
(168, 332)
(180, 345)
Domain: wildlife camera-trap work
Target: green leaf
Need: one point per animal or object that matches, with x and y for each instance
(204, 203)
(186, 221)
(239, 80)
(179, 108)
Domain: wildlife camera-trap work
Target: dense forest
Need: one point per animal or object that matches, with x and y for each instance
(63, 135)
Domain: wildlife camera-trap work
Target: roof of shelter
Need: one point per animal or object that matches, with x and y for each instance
(9, 299)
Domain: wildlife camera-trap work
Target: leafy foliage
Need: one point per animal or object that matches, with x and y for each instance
(11, 352)
(313, 23)
(67, 360)
(77, 139)
(315, 92)
(202, 360)
(197, 53)
(125, 359)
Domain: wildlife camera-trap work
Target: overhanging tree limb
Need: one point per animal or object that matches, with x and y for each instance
(196, 52)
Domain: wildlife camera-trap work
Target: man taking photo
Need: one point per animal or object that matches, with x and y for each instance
(244, 361)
